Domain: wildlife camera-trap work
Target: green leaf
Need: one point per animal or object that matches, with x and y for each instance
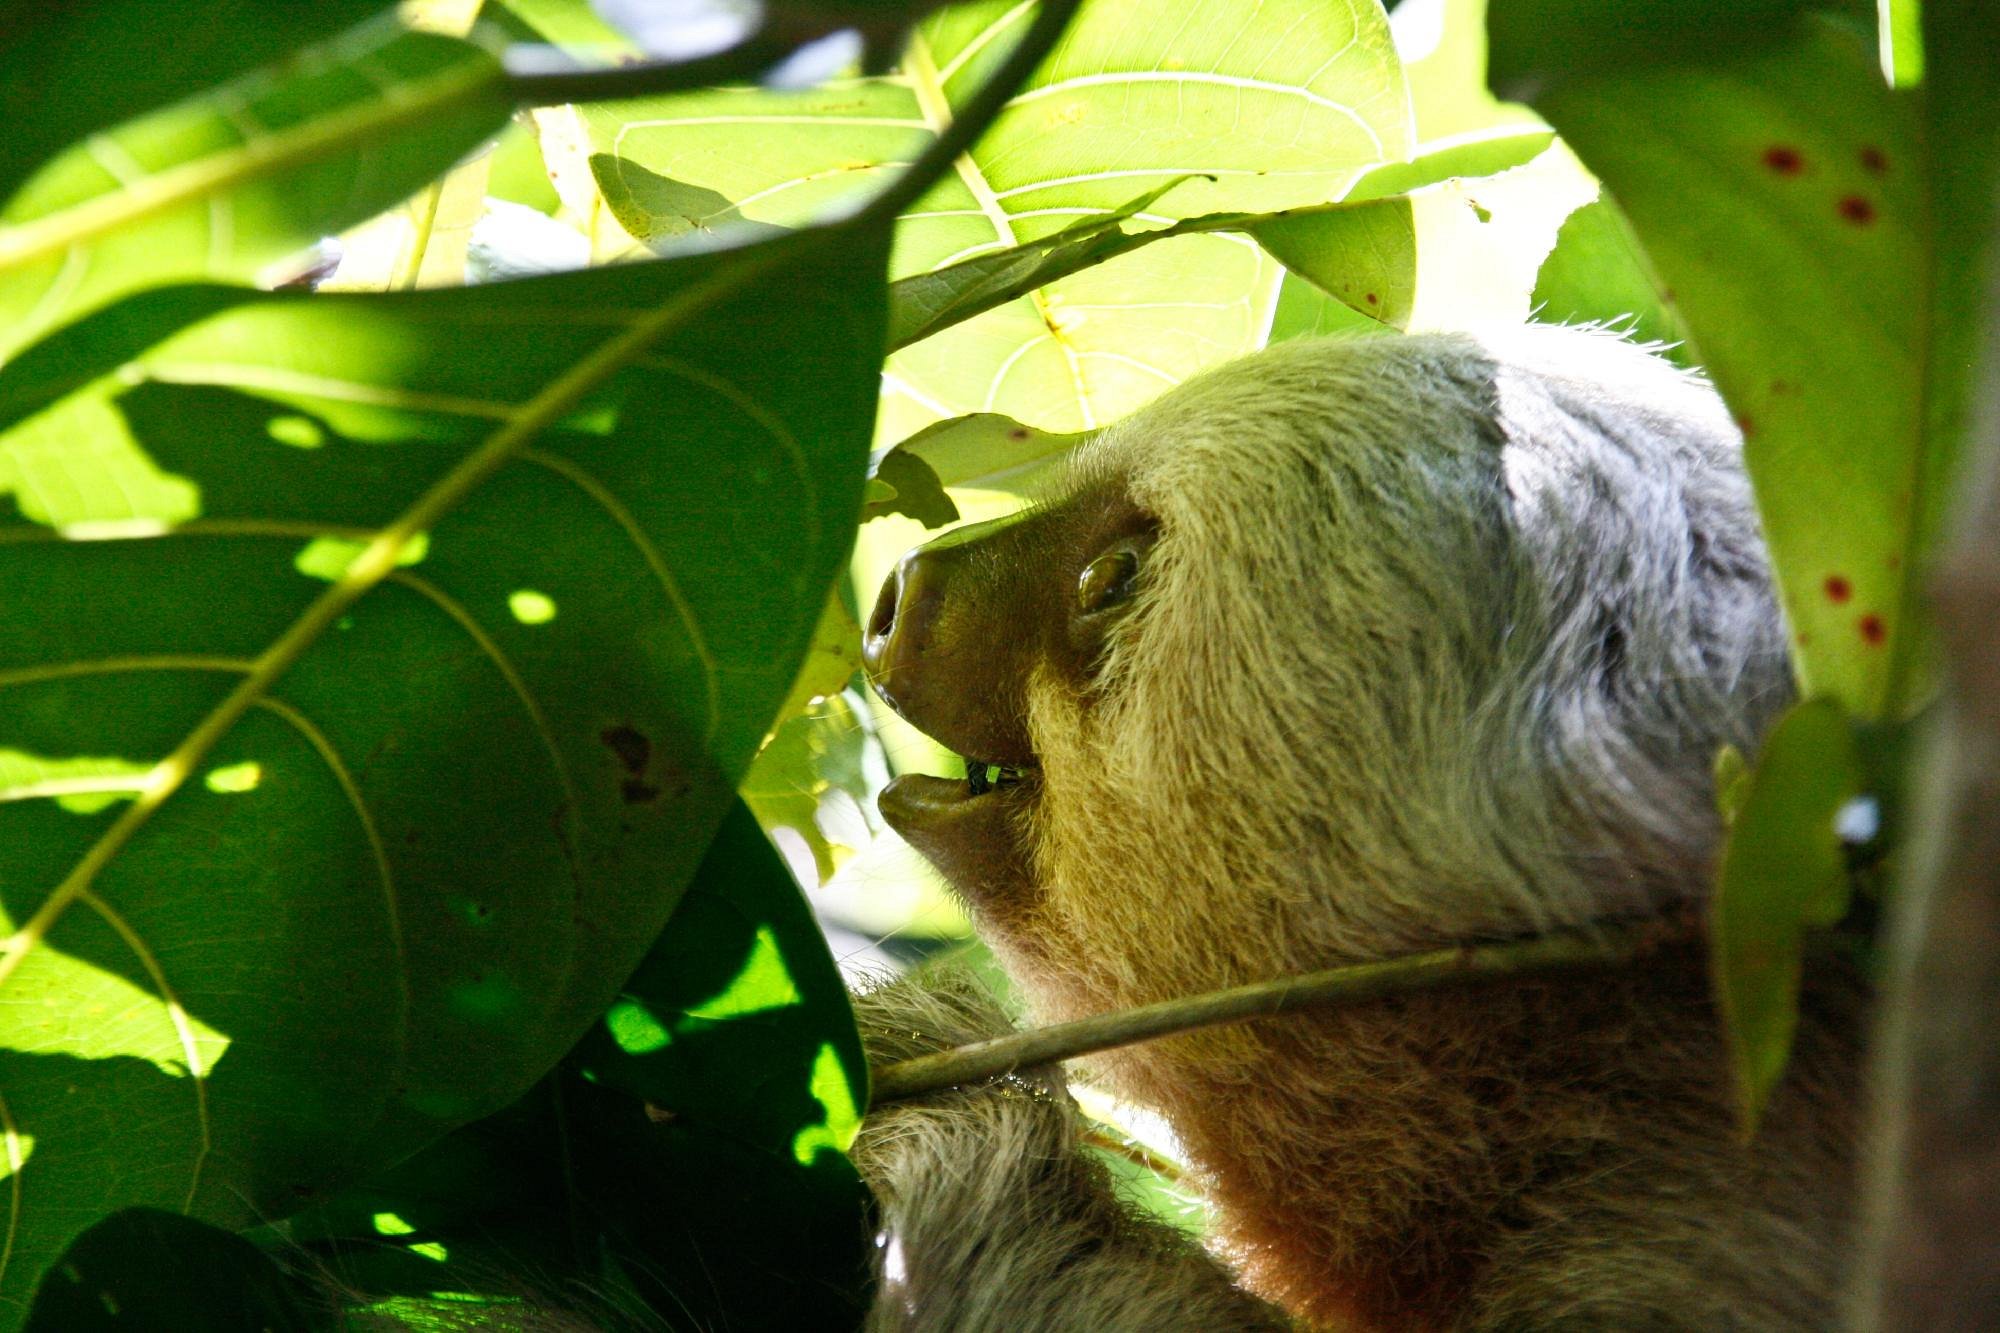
(981, 452)
(1790, 202)
(1280, 103)
(737, 992)
(1304, 311)
(737, 1035)
(419, 831)
(142, 1268)
(1784, 869)
(1536, 48)
(133, 56)
(690, 1139)
(924, 304)
(1598, 274)
(810, 779)
(1901, 40)
(1482, 153)
(244, 175)
(1345, 245)
(1443, 45)
(1446, 255)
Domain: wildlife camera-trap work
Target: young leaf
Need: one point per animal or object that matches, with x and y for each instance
(982, 452)
(1784, 869)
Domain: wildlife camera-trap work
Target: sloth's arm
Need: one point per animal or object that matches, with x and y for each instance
(994, 1218)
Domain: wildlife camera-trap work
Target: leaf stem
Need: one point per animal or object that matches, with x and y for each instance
(1437, 969)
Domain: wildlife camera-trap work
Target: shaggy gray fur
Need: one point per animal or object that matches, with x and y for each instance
(994, 1219)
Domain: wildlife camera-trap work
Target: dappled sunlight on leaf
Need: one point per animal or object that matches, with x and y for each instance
(764, 983)
(80, 784)
(117, 1015)
(531, 607)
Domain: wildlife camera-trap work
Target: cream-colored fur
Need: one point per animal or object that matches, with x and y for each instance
(1438, 641)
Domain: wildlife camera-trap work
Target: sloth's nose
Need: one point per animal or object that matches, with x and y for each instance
(900, 630)
(952, 637)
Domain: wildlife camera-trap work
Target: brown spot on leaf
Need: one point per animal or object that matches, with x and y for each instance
(1873, 631)
(1779, 388)
(1018, 433)
(633, 750)
(1874, 160)
(1370, 298)
(1857, 210)
(1784, 160)
(636, 792)
(1894, 562)
(1838, 589)
(1745, 424)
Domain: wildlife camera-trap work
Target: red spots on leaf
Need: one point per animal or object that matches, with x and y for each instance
(1874, 161)
(1370, 298)
(1873, 631)
(1838, 589)
(1857, 210)
(1784, 160)
(1744, 425)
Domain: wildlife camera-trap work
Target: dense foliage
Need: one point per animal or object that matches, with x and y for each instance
(383, 649)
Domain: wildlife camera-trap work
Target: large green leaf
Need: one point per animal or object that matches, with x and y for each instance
(70, 69)
(693, 1137)
(736, 1033)
(142, 1268)
(1276, 104)
(428, 813)
(1782, 192)
(243, 175)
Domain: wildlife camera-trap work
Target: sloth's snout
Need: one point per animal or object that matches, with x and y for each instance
(951, 639)
(900, 635)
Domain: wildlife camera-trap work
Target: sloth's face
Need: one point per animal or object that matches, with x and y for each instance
(966, 629)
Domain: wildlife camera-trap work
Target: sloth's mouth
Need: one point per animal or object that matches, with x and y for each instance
(970, 828)
(984, 780)
(982, 777)
(927, 801)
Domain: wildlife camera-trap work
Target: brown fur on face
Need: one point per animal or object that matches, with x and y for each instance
(1435, 643)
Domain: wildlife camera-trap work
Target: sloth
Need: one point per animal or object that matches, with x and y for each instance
(1346, 650)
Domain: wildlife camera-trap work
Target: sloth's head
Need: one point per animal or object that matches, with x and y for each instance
(1344, 649)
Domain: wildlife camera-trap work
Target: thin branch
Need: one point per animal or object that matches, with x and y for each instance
(1436, 970)
(544, 76)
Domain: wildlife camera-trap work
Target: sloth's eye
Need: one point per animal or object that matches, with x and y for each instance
(1107, 581)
